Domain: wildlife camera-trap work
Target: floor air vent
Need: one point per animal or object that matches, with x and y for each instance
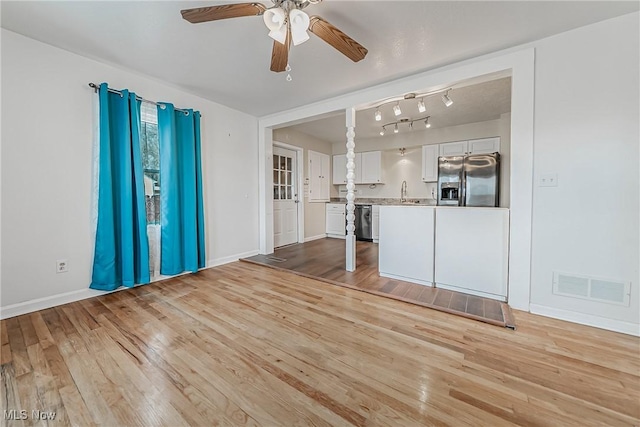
(276, 259)
(591, 288)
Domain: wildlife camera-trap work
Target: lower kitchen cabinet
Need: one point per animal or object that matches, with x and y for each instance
(336, 220)
(375, 223)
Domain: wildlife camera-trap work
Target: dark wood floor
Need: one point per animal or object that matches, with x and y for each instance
(324, 259)
(245, 345)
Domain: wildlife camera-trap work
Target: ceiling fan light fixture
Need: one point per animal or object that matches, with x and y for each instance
(447, 101)
(396, 109)
(274, 19)
(299, 22)
(421, 107)
(378, 115)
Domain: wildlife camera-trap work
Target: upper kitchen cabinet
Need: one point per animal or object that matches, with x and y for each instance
(484, 145)
(339, 169)
(371, 166)
(430, 163)
(458, 148)
(473, 146)
(368, 168)
(318, 177)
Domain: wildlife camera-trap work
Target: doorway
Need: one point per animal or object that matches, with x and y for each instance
(286, 200)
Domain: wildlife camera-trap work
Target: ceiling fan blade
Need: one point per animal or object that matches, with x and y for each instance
(336, 38)
(280, 54)
(225, 11)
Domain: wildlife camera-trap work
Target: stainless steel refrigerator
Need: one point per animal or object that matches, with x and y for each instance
(469, 180)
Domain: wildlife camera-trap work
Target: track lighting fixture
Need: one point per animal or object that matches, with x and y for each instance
(396, 109)
(445, 98)
(410, 97)
(410, 122)
(421, 107)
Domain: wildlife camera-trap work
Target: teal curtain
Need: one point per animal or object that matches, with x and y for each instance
(181, 205)
(121, 256)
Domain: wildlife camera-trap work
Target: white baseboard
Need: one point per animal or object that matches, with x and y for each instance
(67, 297)
(319, 236)
(406, 279)
(587, 319)
(51, 301)
(226, 260)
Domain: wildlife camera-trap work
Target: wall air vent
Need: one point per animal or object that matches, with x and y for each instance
(591, 288)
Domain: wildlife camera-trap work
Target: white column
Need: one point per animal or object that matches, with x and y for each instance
(351, 175)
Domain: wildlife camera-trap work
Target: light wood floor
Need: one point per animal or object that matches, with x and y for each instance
(246, 345)
(324, 259)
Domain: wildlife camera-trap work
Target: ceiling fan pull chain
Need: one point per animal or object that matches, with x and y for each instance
(288, 70)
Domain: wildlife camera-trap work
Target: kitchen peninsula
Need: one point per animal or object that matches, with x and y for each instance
(464, 249)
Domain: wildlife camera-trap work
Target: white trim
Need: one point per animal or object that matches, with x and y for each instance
(587, 319)
(73, 296)
(471, 292)
(232, 258)
(319, 236)
(407, 279)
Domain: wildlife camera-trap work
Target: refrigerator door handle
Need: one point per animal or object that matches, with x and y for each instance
(462, 193)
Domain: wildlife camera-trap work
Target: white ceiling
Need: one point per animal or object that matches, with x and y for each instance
(228, 61)
(471, 104)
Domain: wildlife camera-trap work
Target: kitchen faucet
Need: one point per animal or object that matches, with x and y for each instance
(403, 192)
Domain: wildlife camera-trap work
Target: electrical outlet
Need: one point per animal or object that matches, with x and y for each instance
(62, 266)
(548, 180)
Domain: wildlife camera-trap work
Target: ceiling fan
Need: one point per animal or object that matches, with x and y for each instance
(287, 23)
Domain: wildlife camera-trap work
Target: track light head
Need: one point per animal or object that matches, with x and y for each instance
(445, 98)
(396, 109)
(378, 115)
(426, 123)
(395, 129)
(421, 107)
(382, 131)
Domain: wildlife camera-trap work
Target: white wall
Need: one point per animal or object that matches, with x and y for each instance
(47, 169)
(314, 213)
(586, 131)
(409, 167)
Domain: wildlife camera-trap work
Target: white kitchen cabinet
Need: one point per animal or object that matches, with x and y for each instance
(371, 167)
(368, 168)
(430, 163)
(472, 146)
(405, 248)
(339, 169)
(336, 220)
(484, 145)
(458, 148)
(375, 223)
(472, 250)
(318, 177)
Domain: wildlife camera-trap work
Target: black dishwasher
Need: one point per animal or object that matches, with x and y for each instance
(363, 222)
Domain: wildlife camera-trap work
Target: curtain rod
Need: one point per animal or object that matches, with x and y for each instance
(139, 98)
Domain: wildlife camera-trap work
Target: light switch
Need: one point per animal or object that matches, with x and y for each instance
(548, 180)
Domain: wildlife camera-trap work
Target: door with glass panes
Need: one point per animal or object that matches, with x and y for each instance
(285, 197)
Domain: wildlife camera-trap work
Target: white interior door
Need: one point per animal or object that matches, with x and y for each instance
(285, 197)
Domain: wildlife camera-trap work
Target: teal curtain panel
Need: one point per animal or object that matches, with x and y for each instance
(121, 255)
(181, 203)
